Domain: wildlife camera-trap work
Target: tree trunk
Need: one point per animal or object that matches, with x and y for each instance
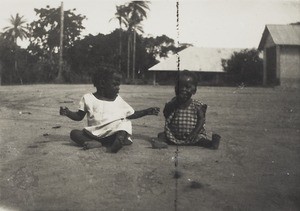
(0, 72)
(120, 50)
(16, 64)
(59, 78)
(133, 55)
(128, 54)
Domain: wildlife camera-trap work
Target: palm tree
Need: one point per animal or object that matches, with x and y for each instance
(16, 30)
(121, 16)
(138, 12)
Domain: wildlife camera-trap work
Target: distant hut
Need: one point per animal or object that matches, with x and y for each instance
(206, 62)
(281, 53)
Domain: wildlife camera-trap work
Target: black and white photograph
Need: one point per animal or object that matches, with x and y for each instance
(158, 105)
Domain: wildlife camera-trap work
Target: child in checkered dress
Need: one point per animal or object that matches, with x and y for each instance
(185, 117)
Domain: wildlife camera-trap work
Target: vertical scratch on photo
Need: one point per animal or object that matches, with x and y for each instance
(177, 149)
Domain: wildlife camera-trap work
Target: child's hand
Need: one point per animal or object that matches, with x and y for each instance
(63, 111)
(192, 136)
(153, 111)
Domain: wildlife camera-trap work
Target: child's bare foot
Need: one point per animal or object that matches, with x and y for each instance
(91, 145)
(215, 141)
(116, 146)
(127, 141)
(157, 144)
(120, 140)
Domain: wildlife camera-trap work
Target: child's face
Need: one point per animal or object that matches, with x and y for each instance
(112, 86)
(185, 89)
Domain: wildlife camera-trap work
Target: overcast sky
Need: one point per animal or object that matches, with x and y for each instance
(203, 23)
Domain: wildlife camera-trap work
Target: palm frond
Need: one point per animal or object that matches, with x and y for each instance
(16, 28)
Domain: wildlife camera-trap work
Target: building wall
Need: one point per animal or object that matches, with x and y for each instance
(269, 42)
(290, 66)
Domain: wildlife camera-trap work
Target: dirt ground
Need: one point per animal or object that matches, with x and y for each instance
(255, 168)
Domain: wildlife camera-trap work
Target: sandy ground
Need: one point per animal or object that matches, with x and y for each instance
(255, 168)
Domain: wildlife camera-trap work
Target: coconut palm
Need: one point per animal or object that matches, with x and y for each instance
(138, 12)
(121, 15)
(16, 30)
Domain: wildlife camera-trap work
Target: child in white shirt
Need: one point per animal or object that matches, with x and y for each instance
(108, 115)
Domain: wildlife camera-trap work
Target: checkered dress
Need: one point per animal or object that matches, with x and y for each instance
(180, 123)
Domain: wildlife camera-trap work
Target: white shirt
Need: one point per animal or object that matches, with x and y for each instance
(106, 117)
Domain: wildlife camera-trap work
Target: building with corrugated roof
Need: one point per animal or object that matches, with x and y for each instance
(281, 54)
(206, 62)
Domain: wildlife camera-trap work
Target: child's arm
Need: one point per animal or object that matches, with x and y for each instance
(199, 125)
(145, 112)
(170, 107)
(76, 116)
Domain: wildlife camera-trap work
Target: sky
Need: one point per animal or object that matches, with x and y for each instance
(203, 23)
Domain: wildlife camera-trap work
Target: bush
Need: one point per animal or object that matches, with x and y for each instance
(246, 66)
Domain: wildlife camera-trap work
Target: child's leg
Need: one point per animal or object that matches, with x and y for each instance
(215, 140)
(79, 137)
(162, 137)
(205, 142)
(159, 142)
(84, 140)
(120, 140)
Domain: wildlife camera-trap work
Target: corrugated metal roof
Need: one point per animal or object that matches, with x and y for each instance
(196, 59)
(281, 35)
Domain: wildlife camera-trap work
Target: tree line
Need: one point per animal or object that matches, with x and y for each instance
(125, 48)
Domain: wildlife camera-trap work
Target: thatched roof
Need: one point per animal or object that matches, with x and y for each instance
(281, 35)
(196, 59)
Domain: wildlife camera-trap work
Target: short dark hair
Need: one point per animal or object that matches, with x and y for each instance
(102, 74)
(186, 73)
